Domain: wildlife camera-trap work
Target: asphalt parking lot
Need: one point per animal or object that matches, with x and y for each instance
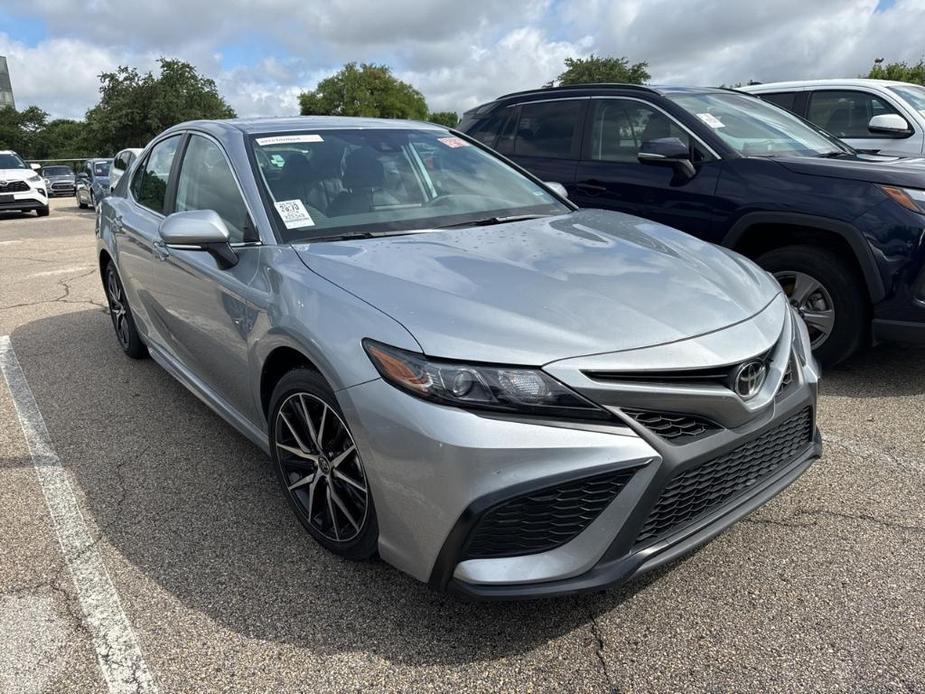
(822, 590)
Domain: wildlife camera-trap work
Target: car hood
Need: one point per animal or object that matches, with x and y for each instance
(16, 174)
(535, 291)
(872, 168)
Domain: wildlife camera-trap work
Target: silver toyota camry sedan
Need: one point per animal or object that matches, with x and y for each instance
(449, 364)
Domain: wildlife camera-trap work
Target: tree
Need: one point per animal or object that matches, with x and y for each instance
(62, 139)
(598, 69)
(447, 118)
(898, 71)
(19, 130)
(364, 90)
(134, 107)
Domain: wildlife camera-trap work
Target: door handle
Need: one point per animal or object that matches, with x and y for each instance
(160, 250)
(591, 187)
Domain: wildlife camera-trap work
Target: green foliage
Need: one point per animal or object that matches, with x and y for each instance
(61, 139)
(598, 69)
(134, 107)
(899, 72)
(447, 118)
(364, 90)
(20, 130)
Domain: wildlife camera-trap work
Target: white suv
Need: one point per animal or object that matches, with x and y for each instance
(870, 115)
(21, 188)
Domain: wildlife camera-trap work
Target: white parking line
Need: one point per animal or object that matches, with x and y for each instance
(59, 271)
(116, 646)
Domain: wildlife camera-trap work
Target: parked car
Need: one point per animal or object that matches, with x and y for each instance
(59, 180)
(448, 363)
(121, 163)
(93, 182)
(841, 231)
(870, 115)
(21, 189)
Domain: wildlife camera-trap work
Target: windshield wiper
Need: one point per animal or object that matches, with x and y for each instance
(489, 221)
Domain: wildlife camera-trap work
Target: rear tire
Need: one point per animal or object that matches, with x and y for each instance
(329, 493)
(121, 314)
(828, 292)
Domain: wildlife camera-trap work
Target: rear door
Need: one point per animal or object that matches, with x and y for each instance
(610, 175)
(545, 138)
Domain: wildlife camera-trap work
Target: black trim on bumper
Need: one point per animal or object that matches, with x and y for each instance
(28, 204)
(609, 573)
(898, 331)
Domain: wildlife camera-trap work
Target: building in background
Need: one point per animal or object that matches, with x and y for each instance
(6, 87)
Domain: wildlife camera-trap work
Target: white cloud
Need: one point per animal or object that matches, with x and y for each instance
(458, 56)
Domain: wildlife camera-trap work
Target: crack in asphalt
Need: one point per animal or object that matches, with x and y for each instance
(65, 283)
(792, 520)
(599, 647)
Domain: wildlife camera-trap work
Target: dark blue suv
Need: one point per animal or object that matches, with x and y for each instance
(841, 231)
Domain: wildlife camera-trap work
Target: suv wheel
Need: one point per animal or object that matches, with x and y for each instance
(42, 211)
(827, 292)
(319, 466)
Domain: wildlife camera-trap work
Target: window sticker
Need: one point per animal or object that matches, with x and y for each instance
(711, 120)
(287, 139)
(453, 142)
(294, 214)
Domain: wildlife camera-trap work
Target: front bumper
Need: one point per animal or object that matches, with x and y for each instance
(26, 200)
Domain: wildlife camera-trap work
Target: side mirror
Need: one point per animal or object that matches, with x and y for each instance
(35, 167)
(199, 230)
(557, 188)
(668, 151)
(889, 124)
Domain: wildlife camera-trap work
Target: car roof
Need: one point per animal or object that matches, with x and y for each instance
(846, 82)
(250, 126)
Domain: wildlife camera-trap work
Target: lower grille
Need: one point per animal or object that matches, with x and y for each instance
(701, 490)
(544, 519)
(677, 428)
(14, 187)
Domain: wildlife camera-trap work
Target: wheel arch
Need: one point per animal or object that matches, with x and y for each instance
(752, 235)
(278, 362)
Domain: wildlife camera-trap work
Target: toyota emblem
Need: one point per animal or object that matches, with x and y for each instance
(749, 378)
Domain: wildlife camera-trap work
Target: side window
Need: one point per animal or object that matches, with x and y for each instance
(548, 129)
(487, 130)
(206, 183)
(149, 184)
(619, 127)
(119, 162)
(846, 113)
(785, 100)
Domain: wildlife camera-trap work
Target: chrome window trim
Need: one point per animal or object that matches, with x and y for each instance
(674, 120)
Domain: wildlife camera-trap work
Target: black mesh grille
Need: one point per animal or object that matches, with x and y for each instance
(677, 428)
(544, 519)
(14, 187)
(703, 489)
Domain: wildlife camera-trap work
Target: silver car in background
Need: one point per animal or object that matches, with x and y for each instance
(448, 363)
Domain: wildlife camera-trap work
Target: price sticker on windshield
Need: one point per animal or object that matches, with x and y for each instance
(711, 120)
(294, 214)
(453, 142)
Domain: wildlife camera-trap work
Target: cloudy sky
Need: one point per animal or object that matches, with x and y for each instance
(262, 53)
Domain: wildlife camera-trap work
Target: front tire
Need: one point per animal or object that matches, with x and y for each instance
(42, 211)
(319, 466)
(121, 314)
(827, 292)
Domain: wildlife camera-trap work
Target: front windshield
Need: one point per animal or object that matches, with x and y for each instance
(913, 94)
(329, 183)
(11, 161)
(101, 168)
(56, 171)
(755, 128)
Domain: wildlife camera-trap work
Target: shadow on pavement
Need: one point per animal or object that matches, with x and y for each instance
(195, 507)
(884, 371)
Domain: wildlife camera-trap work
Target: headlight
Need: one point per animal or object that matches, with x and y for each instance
(478, 386)
(34, 178)
(910, 198)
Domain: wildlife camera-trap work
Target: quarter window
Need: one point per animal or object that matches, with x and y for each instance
(846, 113)
(548, 129)
(487, 130)
(207, 183)
(149, 185)
(620, 127)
